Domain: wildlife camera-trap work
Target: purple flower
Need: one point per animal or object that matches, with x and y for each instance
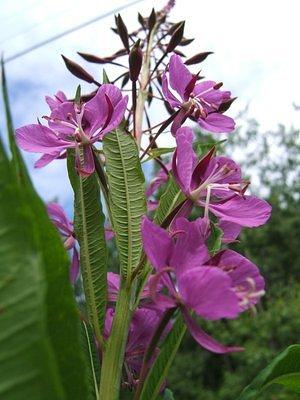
(74, 126)
(215, 183)
(59, 98)
(201, 101)
(143, 324)
(66, 229)
(212, 288)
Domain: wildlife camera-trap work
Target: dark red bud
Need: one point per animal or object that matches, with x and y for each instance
(226, 105)
(115, 30)
(186, 42)
(141, 20)
(77, 70)
(198, 58)
(152, 20)
(135, 61)
(176, 38)
(218, 85)
(173, 27)
(125, 80)
(123, 32)
(180, 53)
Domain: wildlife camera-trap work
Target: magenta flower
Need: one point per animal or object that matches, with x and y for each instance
(66, 229)
(54, 102)
(74, 126)
(201, 101)
(215, 183)
(221, 287)
(143, 324)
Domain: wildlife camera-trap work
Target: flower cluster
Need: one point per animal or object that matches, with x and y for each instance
(185, 275)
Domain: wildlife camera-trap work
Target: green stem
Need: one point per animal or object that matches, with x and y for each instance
(113, 356)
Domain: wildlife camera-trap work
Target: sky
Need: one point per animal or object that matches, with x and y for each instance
(255, 45)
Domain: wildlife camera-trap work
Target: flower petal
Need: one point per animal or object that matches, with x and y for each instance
(184, 159)
(179, 75)
(230, 231)
(245, 211)
(217, 123)
(157, 244)
(169, 96)
(45, 160)
(40, 139)
(87, 167)
(204, 339)
(209, 292)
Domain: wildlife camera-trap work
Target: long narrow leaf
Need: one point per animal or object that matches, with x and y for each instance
(159, 370)
(128, 204)
(89, 229)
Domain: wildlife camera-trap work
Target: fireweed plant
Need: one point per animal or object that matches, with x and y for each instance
(173, 271)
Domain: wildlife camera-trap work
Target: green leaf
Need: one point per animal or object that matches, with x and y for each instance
(170, 199)
(89, 229)
(27, 367)
(215, 239)
(17, 161)
(162, 363)
(92, 359)
(127, 187)
(61, 315)
(283, 370)
(159, 151)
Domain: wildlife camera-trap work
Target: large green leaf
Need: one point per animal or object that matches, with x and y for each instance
(127, 187)
(163, 362)
(89, 229)
(60, 316)
(27, 366)
(283, 370)
(169, 200)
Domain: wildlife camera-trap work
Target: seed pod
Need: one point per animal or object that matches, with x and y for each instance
(77, 70)
(198, 58)
(135, 61)
(122, 31)
(176, 38)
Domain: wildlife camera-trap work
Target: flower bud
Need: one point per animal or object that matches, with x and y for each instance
(77, 70)
(122, 31)
(151, 20)
(198, 58)
(135, 61)
(176, 38)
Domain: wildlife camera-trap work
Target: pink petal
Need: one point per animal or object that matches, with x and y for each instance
(205, 340)
(245, 211)
(230, 231)
(179, 75)
(45, 160)
(184, 158)
(157, 243)
(209, 292)
(40, 139)
(169, 96)
(217, 123)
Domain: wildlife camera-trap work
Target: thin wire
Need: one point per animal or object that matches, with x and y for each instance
(68, 31)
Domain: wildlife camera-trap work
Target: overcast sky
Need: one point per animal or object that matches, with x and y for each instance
(256, 46)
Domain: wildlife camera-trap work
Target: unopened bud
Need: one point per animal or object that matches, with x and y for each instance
(135, 61)
(176, 38)
(122, 31)
(152, 20)
(218, 85)
(77, 70)
(198, 58)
